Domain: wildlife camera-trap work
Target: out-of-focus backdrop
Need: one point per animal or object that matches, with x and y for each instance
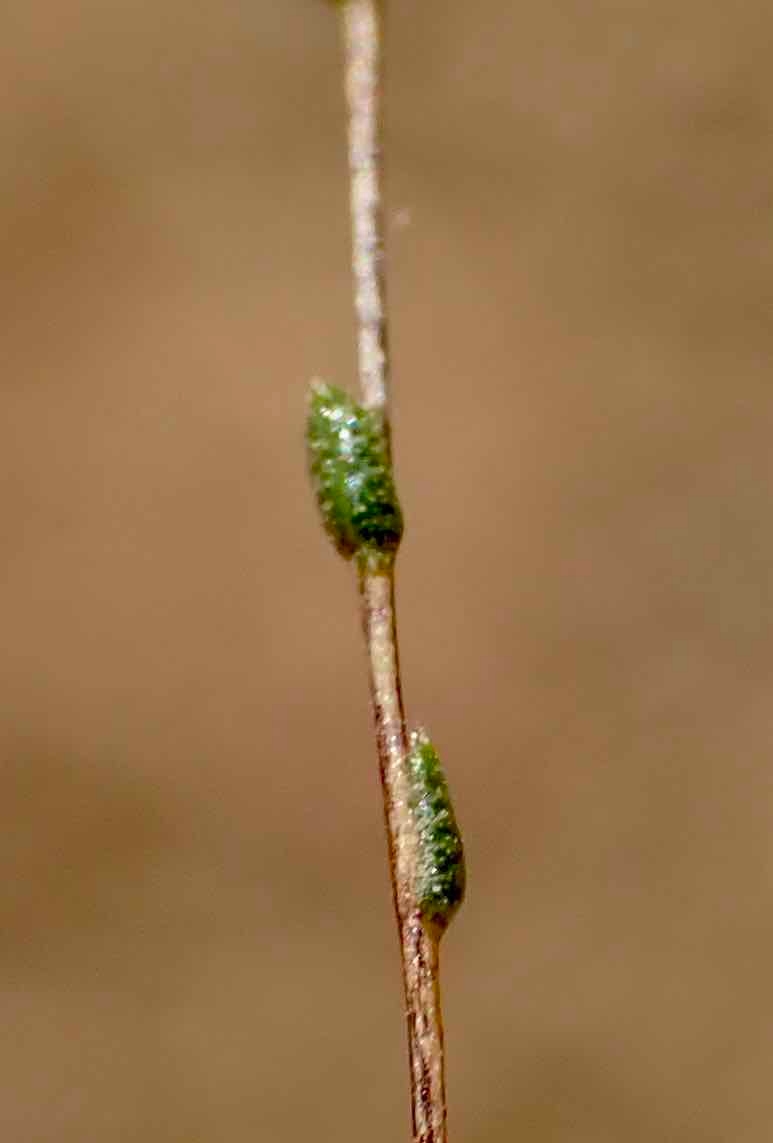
(197, 941)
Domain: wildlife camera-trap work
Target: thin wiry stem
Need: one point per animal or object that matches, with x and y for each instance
(418, 943)
(363, 48)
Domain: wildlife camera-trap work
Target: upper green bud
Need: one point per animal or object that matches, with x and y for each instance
(352, 474)
(439, 875)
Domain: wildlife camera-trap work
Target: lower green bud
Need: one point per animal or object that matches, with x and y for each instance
(439, 875)
(351, 473)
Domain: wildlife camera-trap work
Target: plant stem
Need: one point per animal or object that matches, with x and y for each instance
(363, 62)
(418, 942)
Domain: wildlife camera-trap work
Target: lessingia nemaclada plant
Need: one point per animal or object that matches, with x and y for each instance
(351, 472)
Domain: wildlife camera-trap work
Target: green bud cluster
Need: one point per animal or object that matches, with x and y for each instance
(351, 472)
(439, 875)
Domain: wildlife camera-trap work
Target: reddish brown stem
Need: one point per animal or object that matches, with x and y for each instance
(418, 944)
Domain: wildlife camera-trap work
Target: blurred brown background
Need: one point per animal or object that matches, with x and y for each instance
(194, 903)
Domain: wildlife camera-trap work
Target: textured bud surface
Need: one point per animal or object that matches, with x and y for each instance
(440, 876)
(351, 473)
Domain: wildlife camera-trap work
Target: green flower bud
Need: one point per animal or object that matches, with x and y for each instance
(352, 474)
(439, 876)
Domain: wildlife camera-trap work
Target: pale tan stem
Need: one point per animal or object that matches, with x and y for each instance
(362, 45)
